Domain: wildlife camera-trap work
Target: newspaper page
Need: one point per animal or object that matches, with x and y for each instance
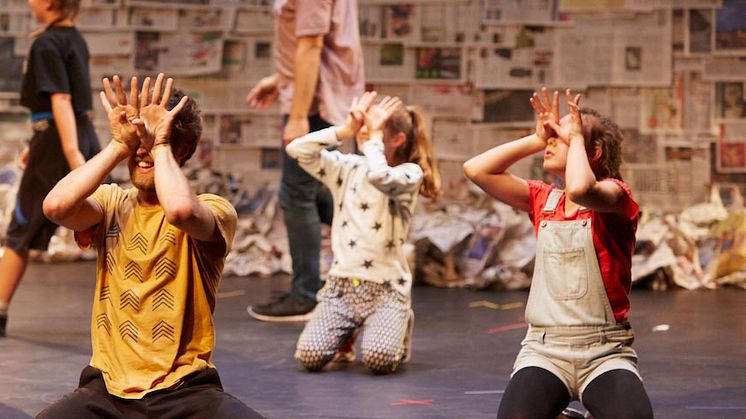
(12, 66)
(254, 21)
(531, 12)
(731, 148)
(205, 19)
(446, 23)
(615, 50)
(400, 23)
(694, 100)
(640, 148)
(178, 53)
(626, 5)
(458, 101)
(158, 19)
(247, 59)
(15, 22)
(389, 63)
(453, 139)
(221, 96)
(724, 69)
(528, 63)
(730, 27)
(109, 43)
(96, 18)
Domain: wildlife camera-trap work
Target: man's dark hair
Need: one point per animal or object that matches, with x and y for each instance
(186, 130)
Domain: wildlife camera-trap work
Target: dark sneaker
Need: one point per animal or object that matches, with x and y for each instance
(3, 322)
(287, 308)
(408, 338)
(570, 413)
(346, 353)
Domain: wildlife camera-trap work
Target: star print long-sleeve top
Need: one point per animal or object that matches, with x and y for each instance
(373, 207)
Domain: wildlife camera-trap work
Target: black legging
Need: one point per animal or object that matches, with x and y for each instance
(535, 393)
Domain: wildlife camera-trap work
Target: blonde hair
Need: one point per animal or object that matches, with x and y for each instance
(418, 147)
(604, 133)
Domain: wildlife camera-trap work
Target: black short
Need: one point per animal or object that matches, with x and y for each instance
(199, 395)
(29, 228)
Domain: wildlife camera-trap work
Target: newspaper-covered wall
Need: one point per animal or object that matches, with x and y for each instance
(671, 73)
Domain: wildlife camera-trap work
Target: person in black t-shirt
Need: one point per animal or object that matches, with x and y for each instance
(57, 90)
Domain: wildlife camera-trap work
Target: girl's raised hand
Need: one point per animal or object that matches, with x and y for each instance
(121, 113)
(546, 112)
(356, 115)
(377, 114)
(574, 128)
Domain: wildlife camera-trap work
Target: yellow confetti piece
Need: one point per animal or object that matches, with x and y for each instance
(355, 282)
(229, 294)
(483, 303)
(511, 306)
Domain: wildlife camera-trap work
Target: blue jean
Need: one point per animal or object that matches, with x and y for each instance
(306, 203)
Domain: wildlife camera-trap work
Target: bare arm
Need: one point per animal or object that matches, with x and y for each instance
(64, 119)
(307, 62)
(67, 203)
(489, 171)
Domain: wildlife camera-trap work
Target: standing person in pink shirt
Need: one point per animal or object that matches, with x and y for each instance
(319, 70)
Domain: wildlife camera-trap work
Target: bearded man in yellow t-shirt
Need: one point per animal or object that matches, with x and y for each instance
(161, 250)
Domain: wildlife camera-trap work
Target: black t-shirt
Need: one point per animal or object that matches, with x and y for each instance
(57, 63)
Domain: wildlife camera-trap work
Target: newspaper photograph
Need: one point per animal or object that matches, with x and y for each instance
(731, 148)
(730, 101)
(389, 63)
(440, 63)
(178, 53)
(399, 23)
(508, 106)
(661, 112)
(730, 27)
(700, 30)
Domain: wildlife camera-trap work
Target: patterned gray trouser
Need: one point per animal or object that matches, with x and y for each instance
(345, 305)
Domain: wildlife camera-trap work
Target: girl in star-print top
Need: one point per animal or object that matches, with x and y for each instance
(374, 195)
(579, 341)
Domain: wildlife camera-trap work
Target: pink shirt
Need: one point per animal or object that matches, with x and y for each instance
(613, 239)
(341, 76)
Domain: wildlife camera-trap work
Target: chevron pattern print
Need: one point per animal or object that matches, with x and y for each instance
(102, 321)
(111, 263)
(163, 330)
(105, 293)
(163, 299)
(129, 330)
(170, 236)
(129, 299)
(133, 271)
(138, 242)
(165, 268)
(113, 231)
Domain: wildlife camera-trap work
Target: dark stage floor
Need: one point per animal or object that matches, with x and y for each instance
(464, 345)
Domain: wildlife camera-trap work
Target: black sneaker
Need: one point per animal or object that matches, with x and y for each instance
(3, 322)
(287, 308)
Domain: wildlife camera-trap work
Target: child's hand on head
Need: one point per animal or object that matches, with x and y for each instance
(546, 112)
(121, 113)
(574, 127)
(377, 114)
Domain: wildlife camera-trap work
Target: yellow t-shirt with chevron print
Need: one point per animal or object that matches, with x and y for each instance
(155, 293)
